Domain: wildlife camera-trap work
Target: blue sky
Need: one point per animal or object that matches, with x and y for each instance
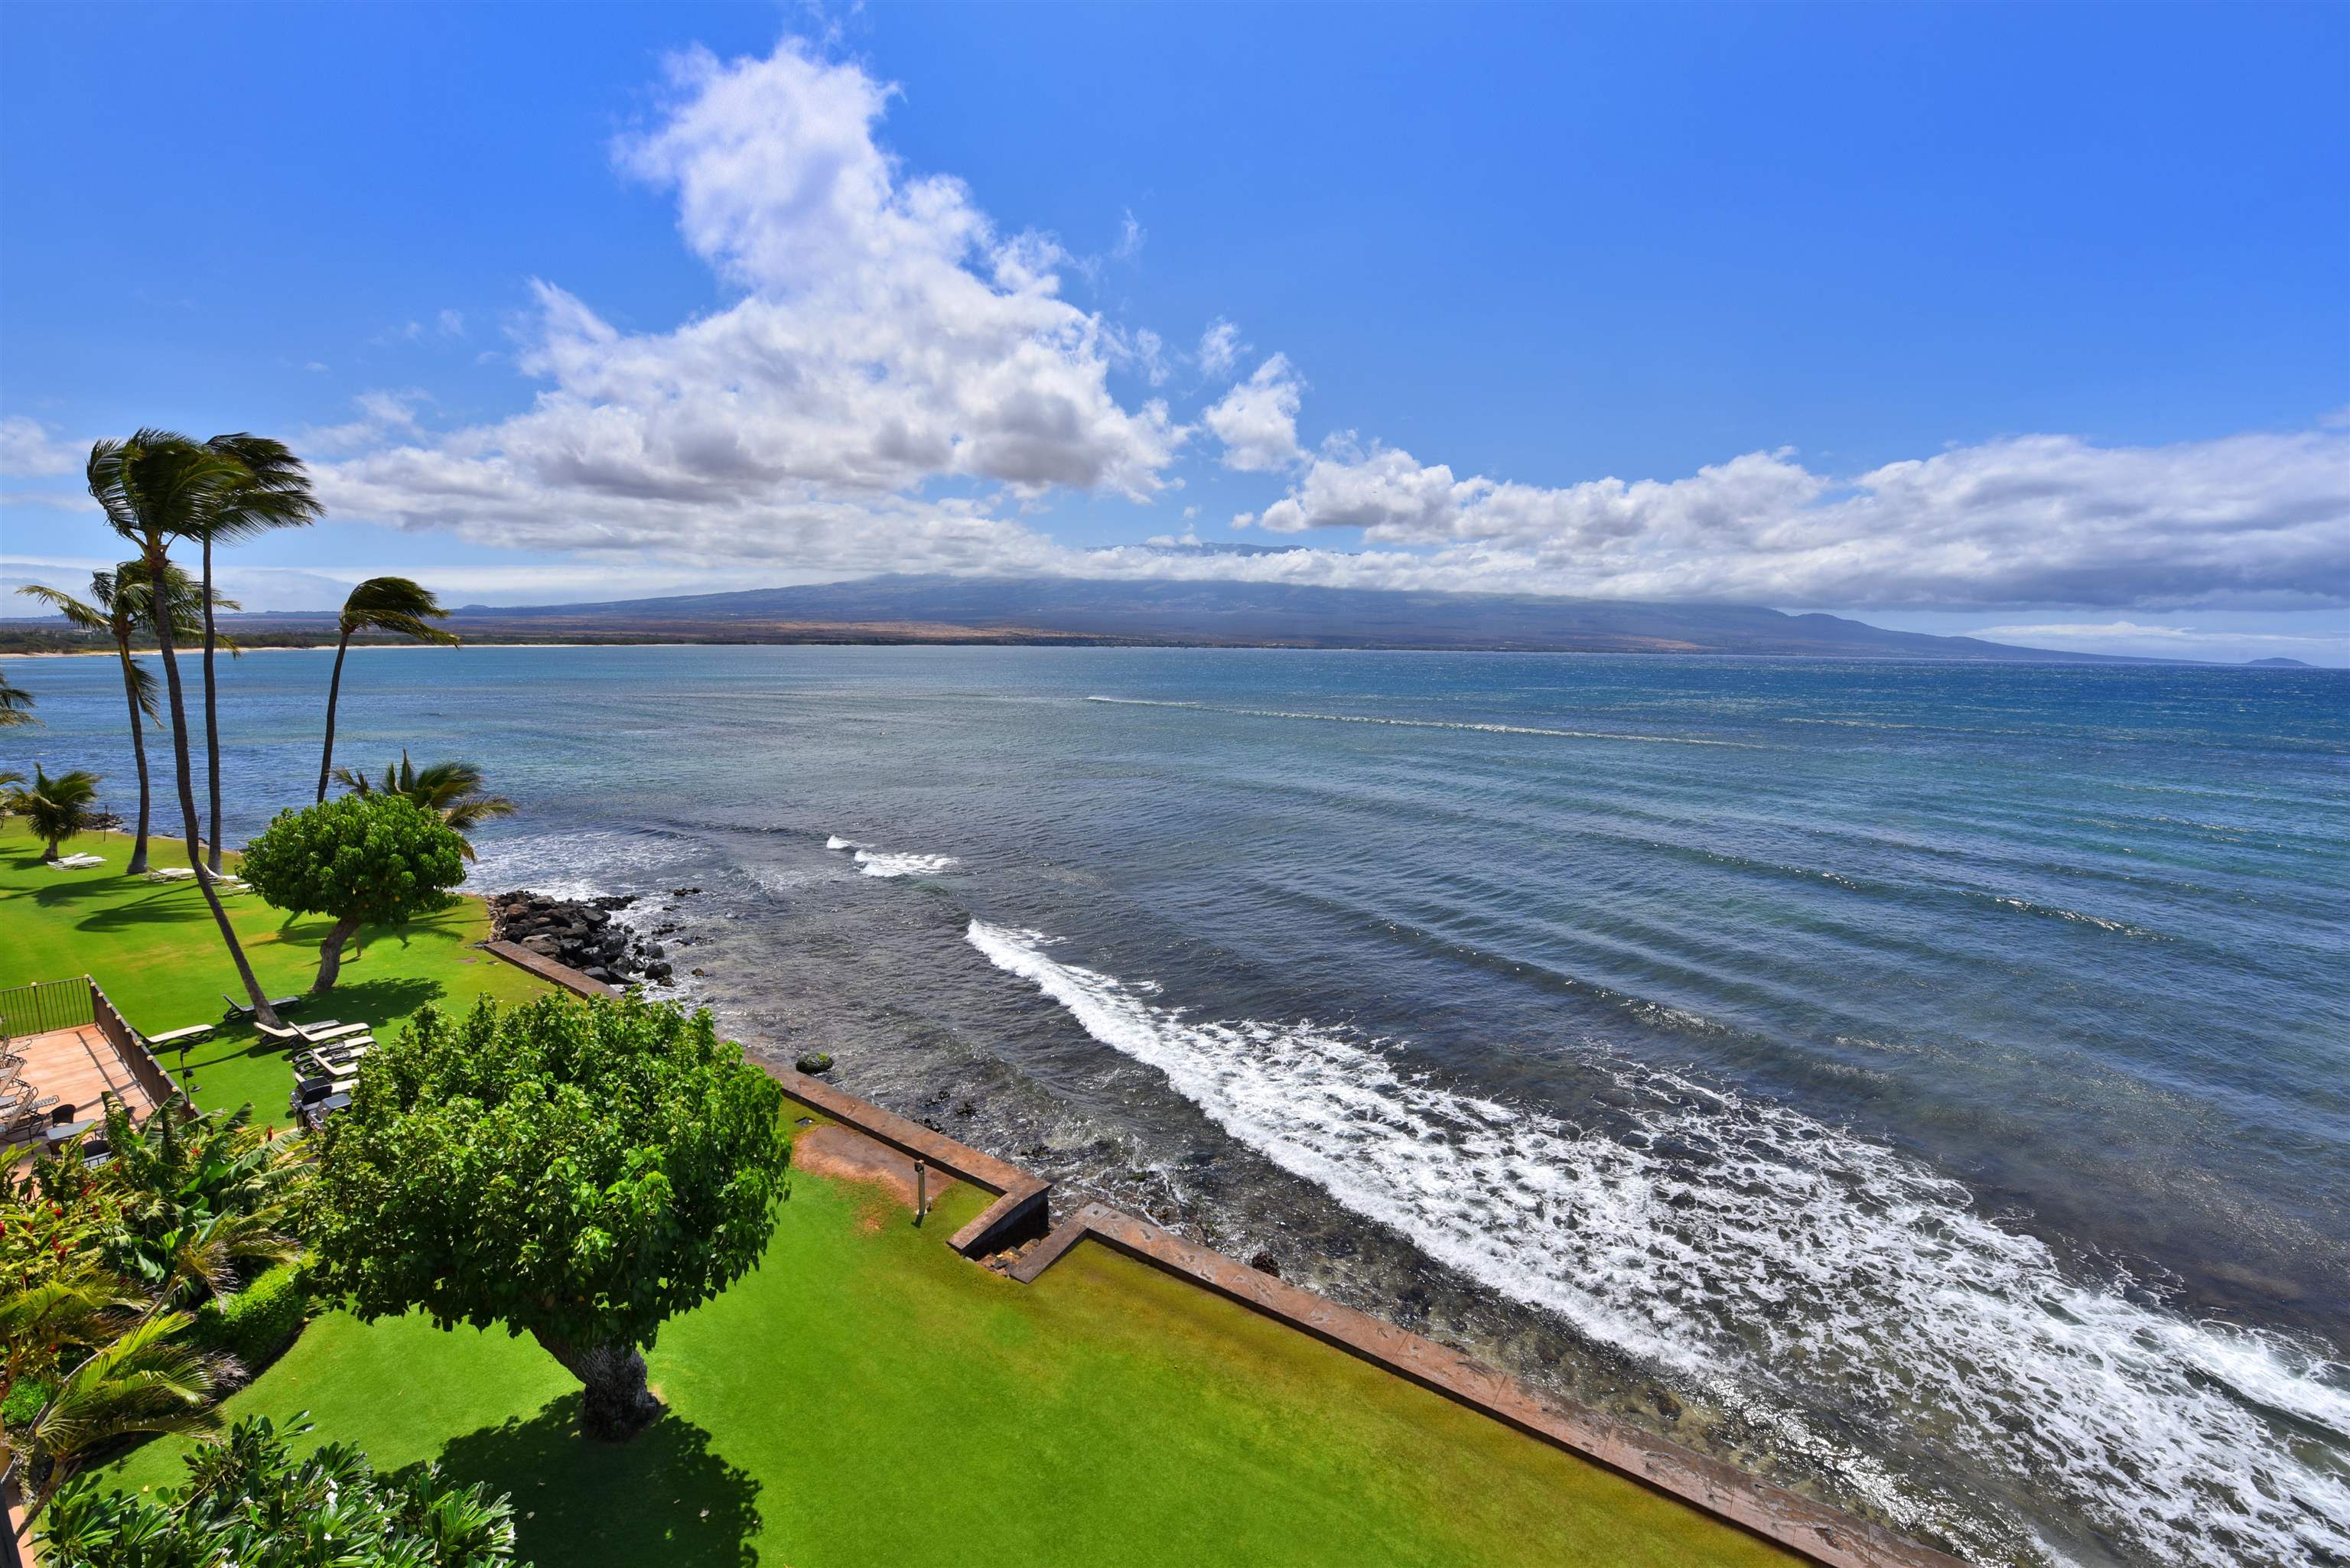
(1951, 318)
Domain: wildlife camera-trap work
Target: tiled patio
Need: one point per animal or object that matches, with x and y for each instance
(79, 1066)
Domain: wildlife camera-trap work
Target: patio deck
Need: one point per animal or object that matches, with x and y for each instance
(80, 1065)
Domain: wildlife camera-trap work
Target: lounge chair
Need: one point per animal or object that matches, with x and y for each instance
(188, 1035)
(238, 1011)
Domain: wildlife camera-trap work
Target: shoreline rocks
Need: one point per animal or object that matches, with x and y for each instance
(579, 932)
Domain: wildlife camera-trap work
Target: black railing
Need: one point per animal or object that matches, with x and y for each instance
(49, 1004)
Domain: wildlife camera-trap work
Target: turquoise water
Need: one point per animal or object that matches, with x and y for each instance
(1930, 1082)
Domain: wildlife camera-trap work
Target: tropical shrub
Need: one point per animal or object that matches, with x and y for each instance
(579, 1172)
(250, 1501)
(257, 1321)
(365, 860)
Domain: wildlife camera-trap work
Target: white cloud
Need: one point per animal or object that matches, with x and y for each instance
(384, 415)
(1257, 420)
(889, 341)
(452, 324)
(2256, 519)
(1219, 348)
(28, 451)
(1131, 237)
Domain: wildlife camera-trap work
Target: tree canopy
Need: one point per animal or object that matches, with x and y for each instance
(366, 860)
(581, 1172)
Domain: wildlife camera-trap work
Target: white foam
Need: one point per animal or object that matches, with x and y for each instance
(877, 863)
(588, 864)
(1431, 724)
(838, 842)
(1780, 1264)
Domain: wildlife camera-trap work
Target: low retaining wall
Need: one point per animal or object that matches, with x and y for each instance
(548, 969)
(1022, 1201)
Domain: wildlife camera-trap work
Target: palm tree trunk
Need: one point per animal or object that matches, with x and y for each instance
(212, 713)
(262, 1010)
(334, 689)
(139, 750)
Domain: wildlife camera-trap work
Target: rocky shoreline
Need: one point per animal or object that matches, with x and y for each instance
(582, 933)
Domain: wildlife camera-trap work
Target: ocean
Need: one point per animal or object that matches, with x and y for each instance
(1926, 1083)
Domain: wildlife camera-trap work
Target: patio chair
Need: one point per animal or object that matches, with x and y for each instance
(238, 1012)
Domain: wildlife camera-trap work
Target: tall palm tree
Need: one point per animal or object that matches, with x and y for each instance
(154, 488)
(380, 604)
(118, 605)
(451, 790)
(58, 808)
(16, 704)
(275, 493)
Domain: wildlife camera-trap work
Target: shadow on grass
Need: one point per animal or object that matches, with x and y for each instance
(666, 1498)
(375, 1001)
(157, 903)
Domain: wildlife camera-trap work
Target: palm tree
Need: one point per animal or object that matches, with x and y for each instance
(452, 791)
(59, 807)
(275, 493)
(118, 605)
(145, 1379)
(16, 704)
(380, 604)
(155, 487)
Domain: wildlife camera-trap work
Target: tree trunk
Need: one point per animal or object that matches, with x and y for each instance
(138, 750)
(330, 957)
(212, 715)
(156, 564)
(616, 1405)
(334, 689)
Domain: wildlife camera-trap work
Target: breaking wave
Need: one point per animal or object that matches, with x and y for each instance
(1813, 1282)
(1430, 724)
(874, 863)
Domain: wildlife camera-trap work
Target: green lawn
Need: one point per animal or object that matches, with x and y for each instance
(867, 1399)
(154, 950)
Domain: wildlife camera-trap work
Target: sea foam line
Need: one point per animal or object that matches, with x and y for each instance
(1430, 724)
(1780, 1264)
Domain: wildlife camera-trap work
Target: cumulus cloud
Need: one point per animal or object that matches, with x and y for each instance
(897, 383)
(889, 341)
(1257, 420)
(30, 450)
(2243, 520)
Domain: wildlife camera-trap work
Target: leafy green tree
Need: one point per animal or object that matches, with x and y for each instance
(380, 604)
(58, 808)
(250, 1500)
(451, 790)
(275, 493)
(578, 1172)
(365, 860)
(154, 488)
(120, 603)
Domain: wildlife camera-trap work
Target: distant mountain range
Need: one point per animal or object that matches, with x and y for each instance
(905, 609)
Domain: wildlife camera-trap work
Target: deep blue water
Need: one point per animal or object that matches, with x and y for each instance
(1929, 1081)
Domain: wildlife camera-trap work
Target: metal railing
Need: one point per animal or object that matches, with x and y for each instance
(47, 1005)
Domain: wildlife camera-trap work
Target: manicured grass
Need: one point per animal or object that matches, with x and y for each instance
(866, 1399)
(153, 948)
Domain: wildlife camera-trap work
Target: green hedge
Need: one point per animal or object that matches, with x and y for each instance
(257, 1321)
(24, 1402)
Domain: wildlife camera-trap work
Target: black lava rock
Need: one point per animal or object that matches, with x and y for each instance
(812, 1063)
